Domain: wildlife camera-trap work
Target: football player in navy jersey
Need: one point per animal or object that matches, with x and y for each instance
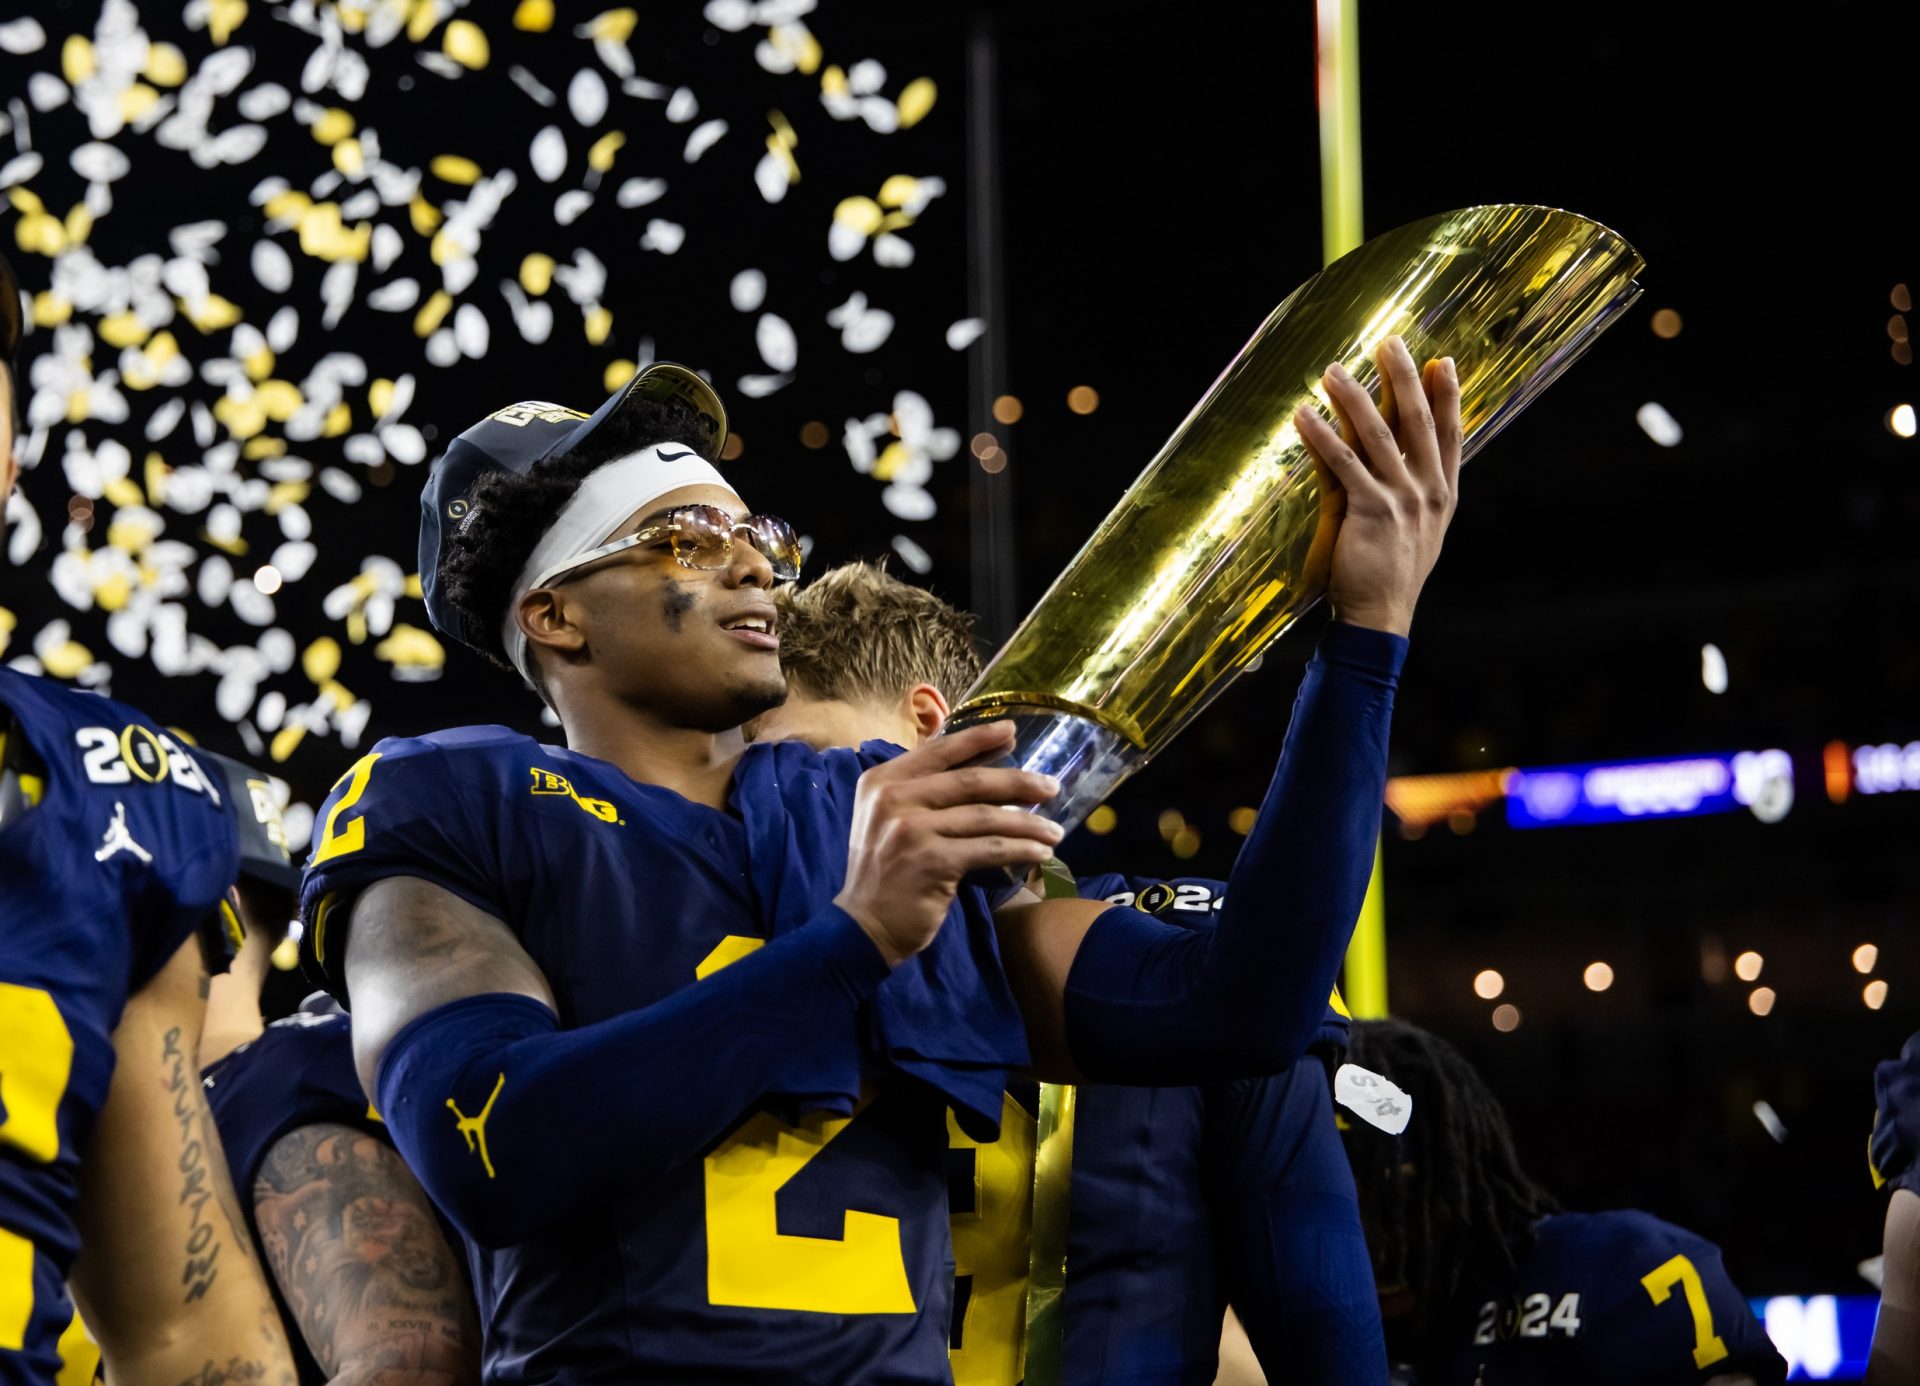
(1894, 1160)
(117, 849)
(668, 1025)
(1184, 1198)
(1484, 1280)
(370, 1288)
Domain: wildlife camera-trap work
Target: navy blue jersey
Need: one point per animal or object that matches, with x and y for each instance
(1613, 1297)
(1896, 1120)
(127, 848)
(1186, 1198)
(805, 1245)
(299, 1073)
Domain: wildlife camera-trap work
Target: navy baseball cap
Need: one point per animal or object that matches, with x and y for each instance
(519, 438)
(263, 838)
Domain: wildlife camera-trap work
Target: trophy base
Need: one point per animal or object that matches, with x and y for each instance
(1088, 759)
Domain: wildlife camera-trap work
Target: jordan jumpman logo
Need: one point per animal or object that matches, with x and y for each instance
(118, 839)
(474, 1128)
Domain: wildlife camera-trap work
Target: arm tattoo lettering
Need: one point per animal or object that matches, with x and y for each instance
(200, 1182)
(233, 1370)
(359, 1256)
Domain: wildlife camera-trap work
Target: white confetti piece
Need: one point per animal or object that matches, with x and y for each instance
(100, 163)
(336, 291)
(340, 485)
(587, 97)
(234, 146)
(549, 154)
(533, 317)
(264, 102)
(911, 554)
(859, 445)
(458, 276)
(571, 205)
(22, 36)
(965, 333)
(268, 717)
(729, 16)
(46, 92)
(470, 331)
(640, 89)
(862, 328)
(386, 248)
(748, 290)
(216, 580)
(778, 347)
(866, 77)
(760, 386)
(405, 443)
(296, 525)
(272, 266)
(770, 177)
(441, 65)
(683, 106)
(844, 241)
(705, 135)
(396, 297)
(638, 192)
(1375, 1100)
(294, 560)
(20, 169)
(532, 86)
(908, 502)
(663, 236)
(442, 349)
(881, 115)
(283, 327)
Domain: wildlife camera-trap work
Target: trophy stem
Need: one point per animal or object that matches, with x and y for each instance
(1089, 759)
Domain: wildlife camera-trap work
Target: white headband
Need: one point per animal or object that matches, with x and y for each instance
(605, 501)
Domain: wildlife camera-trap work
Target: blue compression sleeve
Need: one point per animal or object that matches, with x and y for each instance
(1152, 1003)
(480, 1093)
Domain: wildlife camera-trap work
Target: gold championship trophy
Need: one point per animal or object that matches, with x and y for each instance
(1211, 554)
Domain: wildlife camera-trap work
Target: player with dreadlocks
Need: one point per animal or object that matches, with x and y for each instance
(1485, 1281)
(667, 1024)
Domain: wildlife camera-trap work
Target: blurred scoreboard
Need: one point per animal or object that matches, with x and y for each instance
(1823, 1337)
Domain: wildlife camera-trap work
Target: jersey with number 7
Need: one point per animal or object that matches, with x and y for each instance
(1613, 1297)
(114, 847)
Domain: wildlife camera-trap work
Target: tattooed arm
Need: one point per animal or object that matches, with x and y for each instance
(167, 1278)
(362, 1264)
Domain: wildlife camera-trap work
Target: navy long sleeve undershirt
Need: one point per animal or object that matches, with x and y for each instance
(1151, 1003)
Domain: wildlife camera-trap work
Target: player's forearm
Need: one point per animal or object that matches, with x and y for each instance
(515, 1126)
(1149, 1003)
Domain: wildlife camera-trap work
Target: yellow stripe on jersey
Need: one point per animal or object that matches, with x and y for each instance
(990, 1249)
(79, 1355)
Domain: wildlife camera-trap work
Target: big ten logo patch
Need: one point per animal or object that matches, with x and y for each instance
(535, 411)
(548, 782)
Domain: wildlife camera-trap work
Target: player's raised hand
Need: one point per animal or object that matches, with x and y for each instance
(921, 822)
(1397, 465)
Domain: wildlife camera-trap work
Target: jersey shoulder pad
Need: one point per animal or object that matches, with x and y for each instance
(1895, 1142)
(1110, 886)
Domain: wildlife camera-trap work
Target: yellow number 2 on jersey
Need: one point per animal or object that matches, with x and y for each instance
(1708, 1347)
(336, 839)
(36, 1059)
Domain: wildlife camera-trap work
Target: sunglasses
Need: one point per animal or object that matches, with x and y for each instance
(701, 537)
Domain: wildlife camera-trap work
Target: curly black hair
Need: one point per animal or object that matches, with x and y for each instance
(1445, 1203)
(511, 511)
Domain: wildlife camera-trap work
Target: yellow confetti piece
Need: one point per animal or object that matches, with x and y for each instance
(833, 82)
(380, 397)
(413, 588)
(617, 374)
(25, 201)
(37, 233)
(333, 125)
(352, 18)
(337, 695)
(157, 473)
(339, 420)
(166, 65)
(320, 661)
(211, 314)
(288, 207)
(431, 313)
(890, 461)
(916, 101)
(466, 44)
(236, 547)
(242, 417)
(79, 406)
(426, 14)
(899, 190)
(862, 214)
(349, 158)
(67, 661)
(599, 324)
(325, 237)
(613, 25)
(280, 398)
(357, 627)
(536, 273)
(447, 248)
(600, 157)
(286, 740)
(894, 221)
(424, 215)
(76, 59)
(223, 17)
(259, 365)
(163, 348)
(452, 168)
(286, 493)
(123, 491)
(262, 447)
(807, 54)
(7, 624)
(533, 16)
(114, 592)
(123, 330)
(79, 224)
(136, 101)
(50, 310)
(409, 647)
